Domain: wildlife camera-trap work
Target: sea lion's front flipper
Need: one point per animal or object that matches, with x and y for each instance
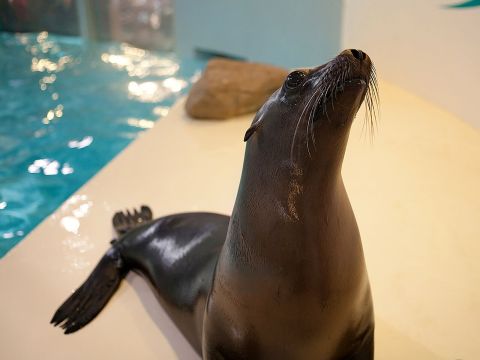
(125, 221)
(176, 253)
(90, 298)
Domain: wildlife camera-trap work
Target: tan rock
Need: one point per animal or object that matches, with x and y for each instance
(229, 88)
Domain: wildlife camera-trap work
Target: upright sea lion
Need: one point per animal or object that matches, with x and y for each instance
(285, 276)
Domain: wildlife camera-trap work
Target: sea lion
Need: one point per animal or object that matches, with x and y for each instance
(285, 276)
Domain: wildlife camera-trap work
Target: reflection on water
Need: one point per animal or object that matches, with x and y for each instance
(141, 123)
(49, 167)
(140, 63)
(68, 107)
(80, 144)
(154, 92)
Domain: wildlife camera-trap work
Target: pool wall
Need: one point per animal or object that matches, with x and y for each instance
(426, 47)
(281, 32)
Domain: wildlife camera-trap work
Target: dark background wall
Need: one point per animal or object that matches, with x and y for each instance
(143, 23)
(58, 16)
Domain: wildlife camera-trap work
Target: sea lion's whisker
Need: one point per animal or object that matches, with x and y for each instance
(330, 83)
(298, 123)
(310, 123)
(335, 79)
(310, 119)
(372, 100)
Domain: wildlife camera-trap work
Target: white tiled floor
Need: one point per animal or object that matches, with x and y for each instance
(415, 191)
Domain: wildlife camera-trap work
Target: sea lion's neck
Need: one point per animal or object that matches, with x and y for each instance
(295, 219)
(291, 203)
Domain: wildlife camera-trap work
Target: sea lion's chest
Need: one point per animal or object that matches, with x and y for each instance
(272, 312)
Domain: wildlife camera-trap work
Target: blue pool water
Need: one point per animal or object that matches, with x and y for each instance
(67, 107)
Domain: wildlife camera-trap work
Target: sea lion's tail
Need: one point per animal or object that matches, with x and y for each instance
(90, 298)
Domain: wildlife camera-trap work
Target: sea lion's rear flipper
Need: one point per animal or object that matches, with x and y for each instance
(125, 221)
(90, 298)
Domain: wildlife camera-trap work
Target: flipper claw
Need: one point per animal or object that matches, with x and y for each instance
(125, 221)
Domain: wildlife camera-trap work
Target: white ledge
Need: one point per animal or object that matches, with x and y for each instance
(415, 192)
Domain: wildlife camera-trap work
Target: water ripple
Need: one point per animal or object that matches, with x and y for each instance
(68, 107)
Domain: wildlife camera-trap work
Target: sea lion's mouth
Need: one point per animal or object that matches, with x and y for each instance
(331, 96)
(351, 71)
(339, 88)
(356, 82)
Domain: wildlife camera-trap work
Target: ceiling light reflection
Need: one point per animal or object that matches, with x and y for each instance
(146, 92)
(82, 210)
(42, 65)
(80, 144)
(140, 63)
(42, 36)
(150, 91)
(67, 169)
(141, 123)
(71, 224)
(75, 208)
(51, 114)
(175, 85)
(195, 77)
(11, 234)
(161, 110)
(49, 167)
(72, 200)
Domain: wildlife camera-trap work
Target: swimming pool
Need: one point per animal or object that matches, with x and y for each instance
(68, 106)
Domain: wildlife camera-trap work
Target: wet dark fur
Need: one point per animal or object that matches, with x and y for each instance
(206, 268)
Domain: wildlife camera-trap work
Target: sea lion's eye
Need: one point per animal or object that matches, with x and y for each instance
(295, 79)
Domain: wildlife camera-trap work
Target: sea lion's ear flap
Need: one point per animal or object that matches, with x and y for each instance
(250, 131)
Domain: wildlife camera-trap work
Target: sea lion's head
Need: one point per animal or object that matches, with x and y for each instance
(307, 121)
(297, 140)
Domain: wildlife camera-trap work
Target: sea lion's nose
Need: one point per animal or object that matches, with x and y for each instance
(358, 54)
